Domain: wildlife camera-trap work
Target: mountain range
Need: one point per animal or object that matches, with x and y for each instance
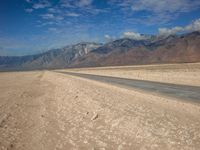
(125, 51)
(52, 59)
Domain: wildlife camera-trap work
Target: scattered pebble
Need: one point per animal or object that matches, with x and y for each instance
(95, 117)
(3, 119)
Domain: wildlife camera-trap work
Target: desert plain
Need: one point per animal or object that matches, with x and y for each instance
(48, 110)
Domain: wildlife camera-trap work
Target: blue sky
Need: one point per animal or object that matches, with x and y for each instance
(32, 26)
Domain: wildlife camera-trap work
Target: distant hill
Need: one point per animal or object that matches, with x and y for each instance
(171, 49)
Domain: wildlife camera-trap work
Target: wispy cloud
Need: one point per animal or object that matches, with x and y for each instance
(64, 10)
(72, 14)
(76, 3)
(46, 23)
(82, 3)
(52, 17)
(48, 16)
(165, 10)
(157, 11)
(41, 4)
(85, 6)
(54, 9)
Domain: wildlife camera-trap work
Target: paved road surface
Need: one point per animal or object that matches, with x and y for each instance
(182, 92)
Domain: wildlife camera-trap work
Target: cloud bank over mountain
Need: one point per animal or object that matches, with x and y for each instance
(194, 26)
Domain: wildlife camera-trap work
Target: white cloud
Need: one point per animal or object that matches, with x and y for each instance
(41, 4)
(82, 3)
(52, 10)
(109, 38)
(133, 35)
(66, 3)
(72, 14)
(194, 26)
(75, 3)
(47, 16)
(51, 19)
(85, 6)
(172, 31)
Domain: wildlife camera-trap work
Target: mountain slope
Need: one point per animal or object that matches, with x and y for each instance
(172, 49)
(57, 58)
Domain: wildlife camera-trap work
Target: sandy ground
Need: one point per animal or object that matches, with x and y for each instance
(186, 74)
(51, 111)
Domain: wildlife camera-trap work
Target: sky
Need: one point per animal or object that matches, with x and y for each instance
(34, 26)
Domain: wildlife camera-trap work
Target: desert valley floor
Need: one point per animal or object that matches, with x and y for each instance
(48, 110)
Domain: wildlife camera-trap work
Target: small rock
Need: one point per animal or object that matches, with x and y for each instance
(95, 117)
(3, 119)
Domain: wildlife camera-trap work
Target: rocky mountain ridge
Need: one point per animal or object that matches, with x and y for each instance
(125, 51)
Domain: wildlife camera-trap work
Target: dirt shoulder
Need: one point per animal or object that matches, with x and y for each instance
(186, 74)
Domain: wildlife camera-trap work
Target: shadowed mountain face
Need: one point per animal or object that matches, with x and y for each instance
(171, 49)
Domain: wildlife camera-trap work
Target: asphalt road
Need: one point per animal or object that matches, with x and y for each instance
(182, 92)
